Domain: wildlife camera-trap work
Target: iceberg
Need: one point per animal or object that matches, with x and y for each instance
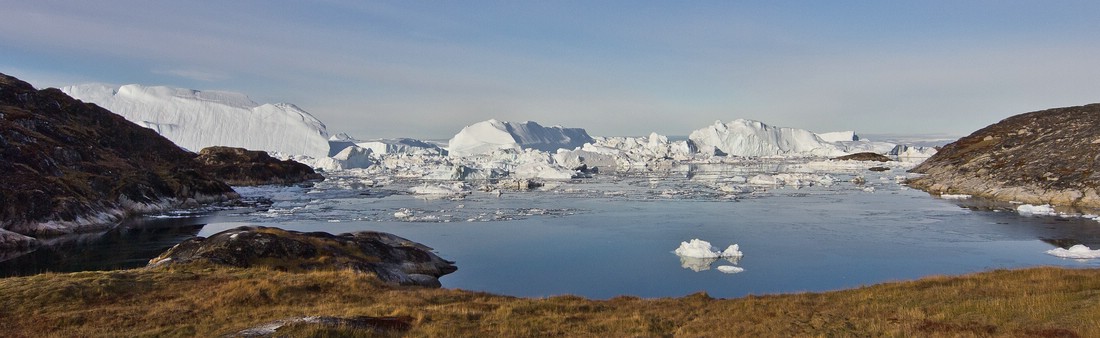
(196, 119)
(750, 138)
(492, 135)
(351, 157)
(912, 153)
(697, 248)
(1075, 252)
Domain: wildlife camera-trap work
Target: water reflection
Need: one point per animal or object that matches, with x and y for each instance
(702, 264)
(129, 245)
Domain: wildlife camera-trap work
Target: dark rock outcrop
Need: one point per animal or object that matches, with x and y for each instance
(70, 166)
(864, 157)
(1050, 156)
(239, 166)
(391, 258)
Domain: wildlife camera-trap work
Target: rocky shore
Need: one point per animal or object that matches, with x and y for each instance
(70, 166)
(1043, 157)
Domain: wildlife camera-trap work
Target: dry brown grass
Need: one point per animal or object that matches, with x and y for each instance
(211, 301)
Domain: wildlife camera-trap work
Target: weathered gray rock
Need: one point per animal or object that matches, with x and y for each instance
(1044, 157)
(391, 258)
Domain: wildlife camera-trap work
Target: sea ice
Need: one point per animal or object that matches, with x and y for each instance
(697, 248)
(1036, 210)
(730, 269)
(955, 196)
(1075, 252)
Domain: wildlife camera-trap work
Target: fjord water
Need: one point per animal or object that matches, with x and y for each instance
(614, 234)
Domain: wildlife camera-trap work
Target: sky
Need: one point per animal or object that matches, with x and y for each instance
(425, 69)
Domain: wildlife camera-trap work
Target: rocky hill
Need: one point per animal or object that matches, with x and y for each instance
(1050, 156)
(239, 166)
(393, 259)
(69, 166)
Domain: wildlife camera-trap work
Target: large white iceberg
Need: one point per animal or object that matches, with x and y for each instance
(750, 138)
(198, 119)
(492, 135)
(1075, 252)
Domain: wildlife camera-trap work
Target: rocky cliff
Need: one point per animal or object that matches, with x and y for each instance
(69, 166)
(1044, 157)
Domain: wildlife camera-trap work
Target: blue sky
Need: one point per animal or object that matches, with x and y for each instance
(426, 69)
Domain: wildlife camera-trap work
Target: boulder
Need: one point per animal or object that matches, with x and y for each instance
(71, 166)
(239, 166)
(393, 259)
(1042, 157)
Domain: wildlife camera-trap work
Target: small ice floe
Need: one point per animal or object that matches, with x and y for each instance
(697, 248)
(455, 189)
(698, 255)
(1075, 252)
(955, 196)
(1036, 210)
(402, 213)
(730, 269)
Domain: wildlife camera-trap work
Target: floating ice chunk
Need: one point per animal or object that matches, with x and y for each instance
(733, 251)
(730, 269)
(1036, 210)
(697, 248)
(1075, 252)
(458, 188)
(402, 213)
(955, 196)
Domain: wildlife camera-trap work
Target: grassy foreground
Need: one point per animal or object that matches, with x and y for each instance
(212, 301)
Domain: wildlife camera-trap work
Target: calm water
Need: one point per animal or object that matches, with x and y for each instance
(614, 235)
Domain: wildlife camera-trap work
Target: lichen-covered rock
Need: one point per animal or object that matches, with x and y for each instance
(70, 166)
(391, 258)
(239, 166)
(1044, 157)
